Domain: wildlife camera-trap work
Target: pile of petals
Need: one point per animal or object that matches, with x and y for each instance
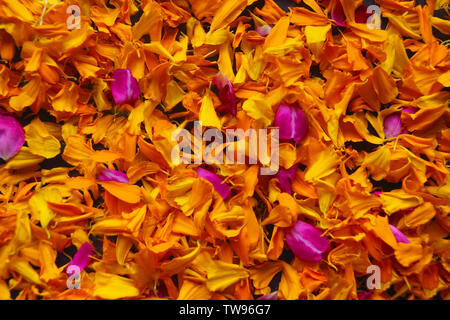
(93, 206)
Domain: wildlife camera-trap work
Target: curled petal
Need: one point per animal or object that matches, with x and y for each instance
(81, 259)
(112, 175)
(12, 136)
(399, 236)
(216, 181)
(226, 93)
(125, 87)
(263, 30)
(286, 176)
(306, 242)
(292, 122)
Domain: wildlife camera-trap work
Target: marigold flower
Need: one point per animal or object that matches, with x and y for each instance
(216, 181)
(292, 122)
(226, 94)
(12, 136)
(125, 87)
(112, 175)
(306, 242)
(81, 259)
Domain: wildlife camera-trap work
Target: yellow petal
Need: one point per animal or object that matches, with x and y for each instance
(111, 286)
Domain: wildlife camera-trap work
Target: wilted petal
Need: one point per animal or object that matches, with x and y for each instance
(112, 175)
(81, 258)
(263, 30)
(306, 242)
(216, 181)
(125, 87)
(226, 93)
(286, 176)
(292, 123)
(269, 296)
(12, 136)
(399, 236)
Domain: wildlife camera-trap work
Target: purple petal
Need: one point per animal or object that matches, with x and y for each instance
(112, 175)
(269, 296)
(286, 176)
(409, 110)
(125, 87)
(263, 30)
(399, 236)
(12, 136)
(81, 258)
(216, 181)
(226, 94)
(306, 242)
(292, 123)
(393, 125)
(337, 14)
(364, 295)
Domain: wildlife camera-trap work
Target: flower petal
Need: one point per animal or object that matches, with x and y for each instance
(216, 181)
(306, 242)
(292, 122)
(263, 30)
(125, 87)
(393, 125)
(12, 136)
(286, 176)
(81, 259)
(399, 236)
(226, 93)
(337, 14)
(112, 175)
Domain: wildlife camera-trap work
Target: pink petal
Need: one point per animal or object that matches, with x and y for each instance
(226, 94)
(399, 236)
(286, 176)
(216, 181)
(337, 14)
(125, 87)
(377, 193)
(263, 30)
(81, 258)
(269, 296)
(12, 136)
(364, 295)
(393, 125)
(409, 110)
(306, 242)
(112, 175)
(292, 122)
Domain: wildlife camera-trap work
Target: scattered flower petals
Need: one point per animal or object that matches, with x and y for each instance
(125, 87)
(292, 123)
(112, 175)
(216, 181)
(12, 136)
(306, 242)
